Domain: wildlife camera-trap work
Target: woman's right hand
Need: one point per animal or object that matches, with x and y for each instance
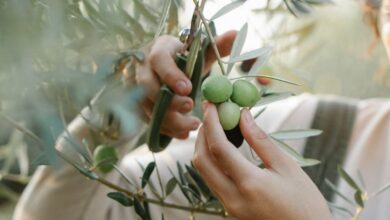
(159, 68)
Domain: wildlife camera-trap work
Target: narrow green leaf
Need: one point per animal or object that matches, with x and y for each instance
(303, 162)
(260, 61)
(123, 175)
(198, 180)
(148, 172)
(273, 97)
(238, 45)
(139, 209)
(192, 192)
(257, 53)
(181, 173)
(265, 76)
(121, 198)
(86, 172)
(334, 188)
(164, 15)
(215, 204)
(340, 209)
(227, 8)
(171, 185)
(295, 134)
(359, 198)
(347, 178)
(257, 114)
(179, 183)
(193, 55)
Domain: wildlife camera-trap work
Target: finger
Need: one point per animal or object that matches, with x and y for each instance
(215, 178)
(259, 141)
(176, 122)
(182, 104)
(180, 136)
(147, 79)
(224, 44)
(163, 63)
(227, 156)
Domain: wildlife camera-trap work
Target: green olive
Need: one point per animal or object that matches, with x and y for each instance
(245, 94)
(104, 158)
(229, 115)
(217, 89)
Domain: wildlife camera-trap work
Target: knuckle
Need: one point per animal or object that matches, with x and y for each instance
(246, 187)
(215, 148)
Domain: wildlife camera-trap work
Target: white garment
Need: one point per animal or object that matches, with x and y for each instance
(66, 194)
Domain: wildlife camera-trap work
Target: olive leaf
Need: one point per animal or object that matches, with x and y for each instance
(164, 16)
(295, 134)
(192, 192)
(148, 172)
(121, 198)
(193, 55)
(340, 209)
(86, 172)
(359, 198)
(238, 45)
(261, 111)
(303, 162)
(334, 188)
(215, 204)
(227, 8)
(123, 175)
(260, 61)
(170, 186)
(257, 53)
(347, 178)
(140, 210)
(198, 180)
(273, 97)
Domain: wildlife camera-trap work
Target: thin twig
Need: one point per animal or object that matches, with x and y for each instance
(212, 40)
(160, 203)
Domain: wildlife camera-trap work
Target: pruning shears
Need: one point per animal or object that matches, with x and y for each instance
(191, 62)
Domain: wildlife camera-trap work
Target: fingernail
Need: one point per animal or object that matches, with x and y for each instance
(181, 86)
(195, 126)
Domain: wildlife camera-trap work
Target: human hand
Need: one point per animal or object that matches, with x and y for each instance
(159, 67)
(279, 191)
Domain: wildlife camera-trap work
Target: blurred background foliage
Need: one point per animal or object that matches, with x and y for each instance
(60, 53)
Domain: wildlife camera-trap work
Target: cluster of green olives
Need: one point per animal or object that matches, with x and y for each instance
(229, 97)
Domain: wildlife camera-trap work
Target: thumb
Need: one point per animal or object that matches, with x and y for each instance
(259, 141)
(224, 45)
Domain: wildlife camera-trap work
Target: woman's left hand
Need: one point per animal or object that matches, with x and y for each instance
(282, 190)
